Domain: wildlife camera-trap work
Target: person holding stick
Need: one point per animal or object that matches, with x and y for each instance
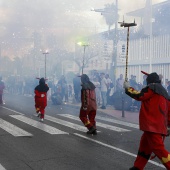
(154, 120)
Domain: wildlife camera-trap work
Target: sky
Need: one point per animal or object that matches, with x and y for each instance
(66, 19)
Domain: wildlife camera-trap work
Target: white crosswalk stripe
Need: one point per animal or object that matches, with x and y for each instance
(114, 128)
(38, 125)
(12, 129)
(66, 123)
(2, 168)
(119, 122)
(16, 131)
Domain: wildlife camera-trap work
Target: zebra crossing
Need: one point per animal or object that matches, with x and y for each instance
(18, 132)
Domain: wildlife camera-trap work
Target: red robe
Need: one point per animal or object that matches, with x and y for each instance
(41, 102)
(153, 115)
(153, 120)
(88, 108)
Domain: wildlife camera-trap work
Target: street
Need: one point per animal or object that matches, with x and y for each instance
(61, 142)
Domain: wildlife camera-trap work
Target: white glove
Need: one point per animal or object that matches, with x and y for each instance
(126, 85)
(42, 95)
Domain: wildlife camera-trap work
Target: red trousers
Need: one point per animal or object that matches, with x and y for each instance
(40, 107)
(88, 118)
(151, 143)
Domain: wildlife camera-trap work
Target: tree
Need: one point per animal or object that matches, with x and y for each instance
(87, 55)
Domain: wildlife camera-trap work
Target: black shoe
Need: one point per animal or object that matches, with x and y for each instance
(95, 132)
(103, 107)
(133, 168)
(91, 130)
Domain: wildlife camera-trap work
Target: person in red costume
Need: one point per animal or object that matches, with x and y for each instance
(41, 98)
(154, 120)
(2, 87)
(88, 105)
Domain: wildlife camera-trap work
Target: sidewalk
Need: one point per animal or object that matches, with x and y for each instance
(129, 116)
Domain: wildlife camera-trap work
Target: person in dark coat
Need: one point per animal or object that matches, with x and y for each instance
(88, 105)
(77, 87)
(41, 98)
(2, 87)
(154, 121)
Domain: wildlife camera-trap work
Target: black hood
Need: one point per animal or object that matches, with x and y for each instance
(153, 78)
(42, 81)
(159, 89)
(42, 87)
(86, 83)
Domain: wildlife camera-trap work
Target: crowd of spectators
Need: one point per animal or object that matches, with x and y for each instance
(71, 91)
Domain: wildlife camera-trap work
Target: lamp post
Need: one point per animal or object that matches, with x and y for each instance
(84, 46)
(45, 53)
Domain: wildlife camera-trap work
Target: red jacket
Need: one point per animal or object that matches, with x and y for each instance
(88, 99)
(153, 115)
(41, 90)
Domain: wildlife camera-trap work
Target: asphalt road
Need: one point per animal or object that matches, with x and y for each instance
(61, 142)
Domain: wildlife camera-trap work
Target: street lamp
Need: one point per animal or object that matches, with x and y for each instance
(84, 45)
(45, 53)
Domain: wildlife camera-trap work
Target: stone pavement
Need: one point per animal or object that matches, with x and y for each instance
(129, 116)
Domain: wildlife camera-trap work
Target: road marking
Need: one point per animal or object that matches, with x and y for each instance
(2, 168)
(12, 129)
(114, 128)
(38, 125)
(118, 122)
(108, 120)
(66, 123)
(115, 148)
(12, 110)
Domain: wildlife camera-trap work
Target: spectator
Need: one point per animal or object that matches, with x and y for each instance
(168, 88)
(63, 84)
(109, 86)
(103, 91)
(119, 83)
(70, 90)
(77, 87)
(161, 79)
(97, 90)
(2, 87)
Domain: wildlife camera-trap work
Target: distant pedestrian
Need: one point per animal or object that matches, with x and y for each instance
(168, 88)
(2, 87)
(97, 90)
(119, 83)
(77, 87)
(103, 91)
(70, 90)
(153, 121)
(41, 98)
(88, 105)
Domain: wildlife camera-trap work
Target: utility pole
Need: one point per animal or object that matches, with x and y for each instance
(115, 41)
(45, 53)
(114, 57)
(84, 53)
